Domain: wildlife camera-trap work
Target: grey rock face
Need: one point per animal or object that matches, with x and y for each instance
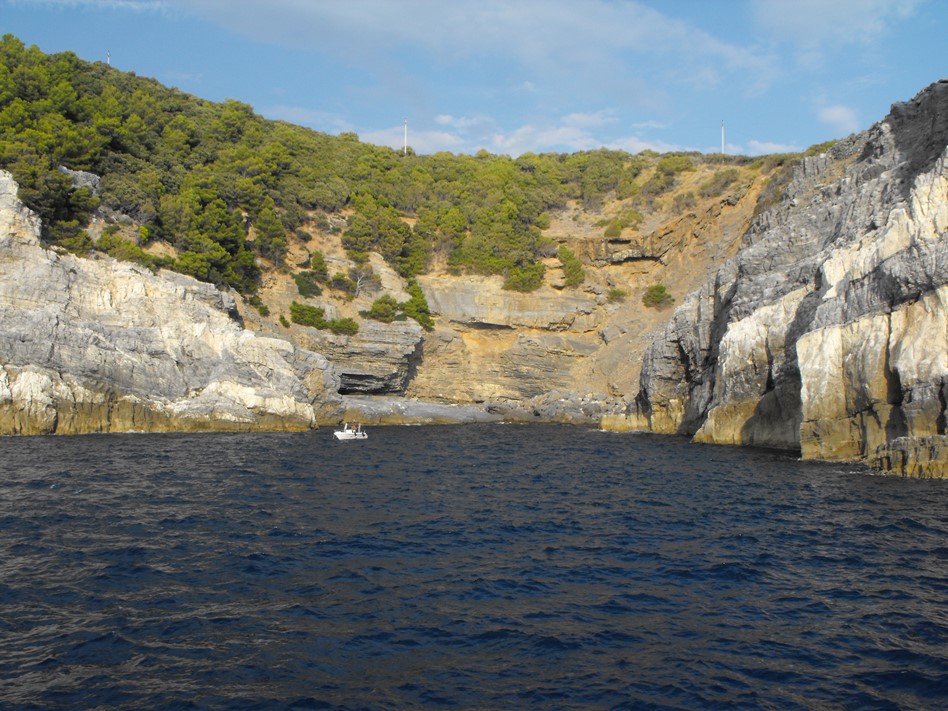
(482, 302)
(378, 360)
(99, 345)
(826, 332)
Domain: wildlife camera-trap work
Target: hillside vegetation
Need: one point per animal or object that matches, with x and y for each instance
(228, 191)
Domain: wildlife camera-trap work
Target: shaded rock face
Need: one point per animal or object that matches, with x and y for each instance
(828, 332)
(97, 345)
(379, 360)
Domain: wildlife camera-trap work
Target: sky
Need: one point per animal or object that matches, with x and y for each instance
(518, 76)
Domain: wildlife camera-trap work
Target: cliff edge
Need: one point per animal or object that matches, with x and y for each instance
(828, 332)
(96, 345)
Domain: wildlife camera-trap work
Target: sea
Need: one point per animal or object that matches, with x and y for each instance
(479, 566)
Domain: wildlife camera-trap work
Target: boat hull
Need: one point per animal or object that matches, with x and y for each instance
(342, 434)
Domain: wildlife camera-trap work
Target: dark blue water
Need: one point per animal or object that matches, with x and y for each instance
(466, 567)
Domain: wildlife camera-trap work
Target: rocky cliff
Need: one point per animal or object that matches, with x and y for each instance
(95, 345)
(828, 332)
(810, 318)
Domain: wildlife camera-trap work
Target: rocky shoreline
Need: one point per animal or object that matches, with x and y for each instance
(822, 329)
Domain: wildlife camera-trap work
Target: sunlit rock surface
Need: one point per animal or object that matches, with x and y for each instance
(89, 345)
(827, 333)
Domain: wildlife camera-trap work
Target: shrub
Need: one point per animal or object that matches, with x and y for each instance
(683, 202)
(315, 317)
(675, 163)
(193, 264)
(343, 283)
(657, 295)
(616, 295)
(258, 304)
(126, 251)
(417, 306)
(716, 184)
(659, 183)
(284, 322)
(343, 326)
(777, 184)
(573, 273)
(630, 218)
(818, 148)
(317, 263)
(383, 309)
(306, 284)
(306, 315)
(527, 278)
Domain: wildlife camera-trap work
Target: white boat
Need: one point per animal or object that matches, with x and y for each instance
(348, 432)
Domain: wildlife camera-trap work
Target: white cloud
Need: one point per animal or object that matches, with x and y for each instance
(573, 132)
(465, 123)
(593, 119)
(840, 118)
(552, 38)
(758, 148)
(640, 125)
(423, 141)
(541, 58)
(815, 27)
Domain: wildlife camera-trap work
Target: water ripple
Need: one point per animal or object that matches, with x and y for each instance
(474, 567)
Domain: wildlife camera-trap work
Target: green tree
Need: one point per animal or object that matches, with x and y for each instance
(343, 326)
(417, 305)
(526, 278)
(193, 263)
(307, 284)
(307, 315)
(573, 274)
(383, 309)
(343, 282)
(270, 235)
(656, 296)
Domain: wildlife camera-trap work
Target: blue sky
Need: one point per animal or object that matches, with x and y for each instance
(512, 76)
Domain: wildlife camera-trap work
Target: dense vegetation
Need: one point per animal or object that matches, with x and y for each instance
(315, 317)
(229, 189)
(386, 309)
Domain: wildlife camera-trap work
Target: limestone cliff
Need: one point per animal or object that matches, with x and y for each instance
(828, 332)
(91, 345)
(815, 322)
(556, 354)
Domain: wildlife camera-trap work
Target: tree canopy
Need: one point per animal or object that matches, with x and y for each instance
(226, 187)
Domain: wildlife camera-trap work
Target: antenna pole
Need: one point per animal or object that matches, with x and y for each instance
(405, 152)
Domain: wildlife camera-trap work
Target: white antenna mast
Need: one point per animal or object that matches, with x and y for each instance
(405, 152)
(108, 57)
